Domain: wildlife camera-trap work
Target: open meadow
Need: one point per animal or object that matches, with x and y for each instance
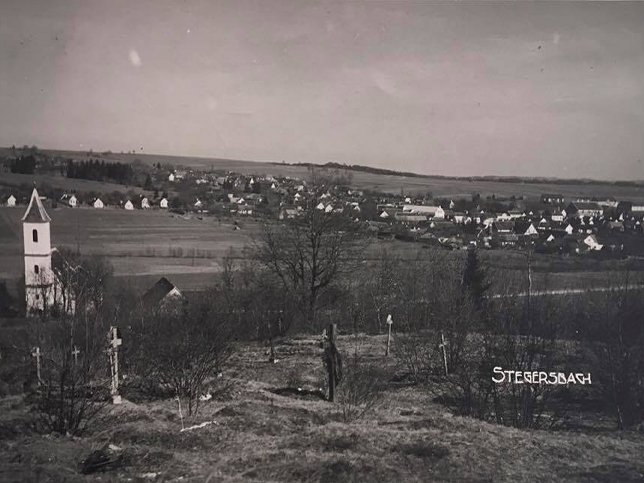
(143, 246)
(266, 429)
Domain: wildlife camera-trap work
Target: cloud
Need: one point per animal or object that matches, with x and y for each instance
(135, 59)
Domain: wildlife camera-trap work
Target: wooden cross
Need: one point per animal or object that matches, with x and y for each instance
(75, 353)
(36, 353)
(114, 341)
(331, 358)
(443, 346)
(390, 322)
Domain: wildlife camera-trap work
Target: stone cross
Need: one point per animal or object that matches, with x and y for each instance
(37, 354)
(75, 353)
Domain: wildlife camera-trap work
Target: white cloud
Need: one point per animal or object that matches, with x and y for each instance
(135, 59)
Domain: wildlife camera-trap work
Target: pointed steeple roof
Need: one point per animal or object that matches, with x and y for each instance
(36, 211)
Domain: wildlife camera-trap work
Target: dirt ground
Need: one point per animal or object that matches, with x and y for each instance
(256, 434)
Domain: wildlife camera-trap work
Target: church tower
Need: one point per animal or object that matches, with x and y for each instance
(39, 278)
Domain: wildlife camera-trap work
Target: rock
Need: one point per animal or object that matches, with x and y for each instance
(104, 459)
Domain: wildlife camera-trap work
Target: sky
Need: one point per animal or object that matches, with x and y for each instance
(550, 89)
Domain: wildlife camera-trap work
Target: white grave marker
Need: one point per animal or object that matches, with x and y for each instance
(390, 322)
(114, 341)
(36, 353)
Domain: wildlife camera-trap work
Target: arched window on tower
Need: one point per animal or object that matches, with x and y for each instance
(36, 269)
(34, 235)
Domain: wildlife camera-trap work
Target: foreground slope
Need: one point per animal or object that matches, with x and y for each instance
(259, 435)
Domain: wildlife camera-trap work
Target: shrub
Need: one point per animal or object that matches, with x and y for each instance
(361, 389)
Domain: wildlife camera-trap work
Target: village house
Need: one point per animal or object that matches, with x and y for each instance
(431, 211)
(550, 198)
(69, 200)
(163, 203)
(11, 201)
(145, 203)
(246, 210)
(502, 227)
(162, 295)
(128, 205)
(579, 209)
(97, 203)
(287, 213)
(525, 228)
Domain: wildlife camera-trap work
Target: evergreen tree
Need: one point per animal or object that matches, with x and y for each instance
(475, 279)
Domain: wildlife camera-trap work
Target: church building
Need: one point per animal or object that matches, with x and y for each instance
(42, 289)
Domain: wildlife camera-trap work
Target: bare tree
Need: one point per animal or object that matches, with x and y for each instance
(309, 254)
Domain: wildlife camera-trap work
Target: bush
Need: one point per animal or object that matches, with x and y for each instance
(183, 352)
(361, 389)
(67, 400)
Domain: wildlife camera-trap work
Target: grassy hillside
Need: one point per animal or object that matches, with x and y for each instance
(256, 434)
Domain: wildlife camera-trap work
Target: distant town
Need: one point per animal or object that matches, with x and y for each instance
(604, 227)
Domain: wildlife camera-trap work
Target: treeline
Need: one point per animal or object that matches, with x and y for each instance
(23, 164)
(491, 178)
(100, 171)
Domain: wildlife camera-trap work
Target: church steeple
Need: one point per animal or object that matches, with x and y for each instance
(39, 278)
(36, 211)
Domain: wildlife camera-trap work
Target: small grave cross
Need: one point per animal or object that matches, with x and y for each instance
(390, 322)
(443, 347)
(37, 354)
(75, 352)
(114, 341)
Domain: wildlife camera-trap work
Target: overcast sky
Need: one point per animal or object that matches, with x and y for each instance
(539, 89)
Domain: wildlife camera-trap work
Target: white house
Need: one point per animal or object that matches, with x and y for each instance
(384, 215)
(592, 243)
(171, 177)
(98, 203)
(69, 200)
(245, 210)
(569, 229)
(531, 230)
(128, 205)
(328, 209)
(434, 211)
(145, 204)
(11, 201)
(163, 203)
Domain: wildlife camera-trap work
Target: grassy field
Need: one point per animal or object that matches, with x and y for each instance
(440, 187)
(256, 434)
(67, 184)
(142, 246)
